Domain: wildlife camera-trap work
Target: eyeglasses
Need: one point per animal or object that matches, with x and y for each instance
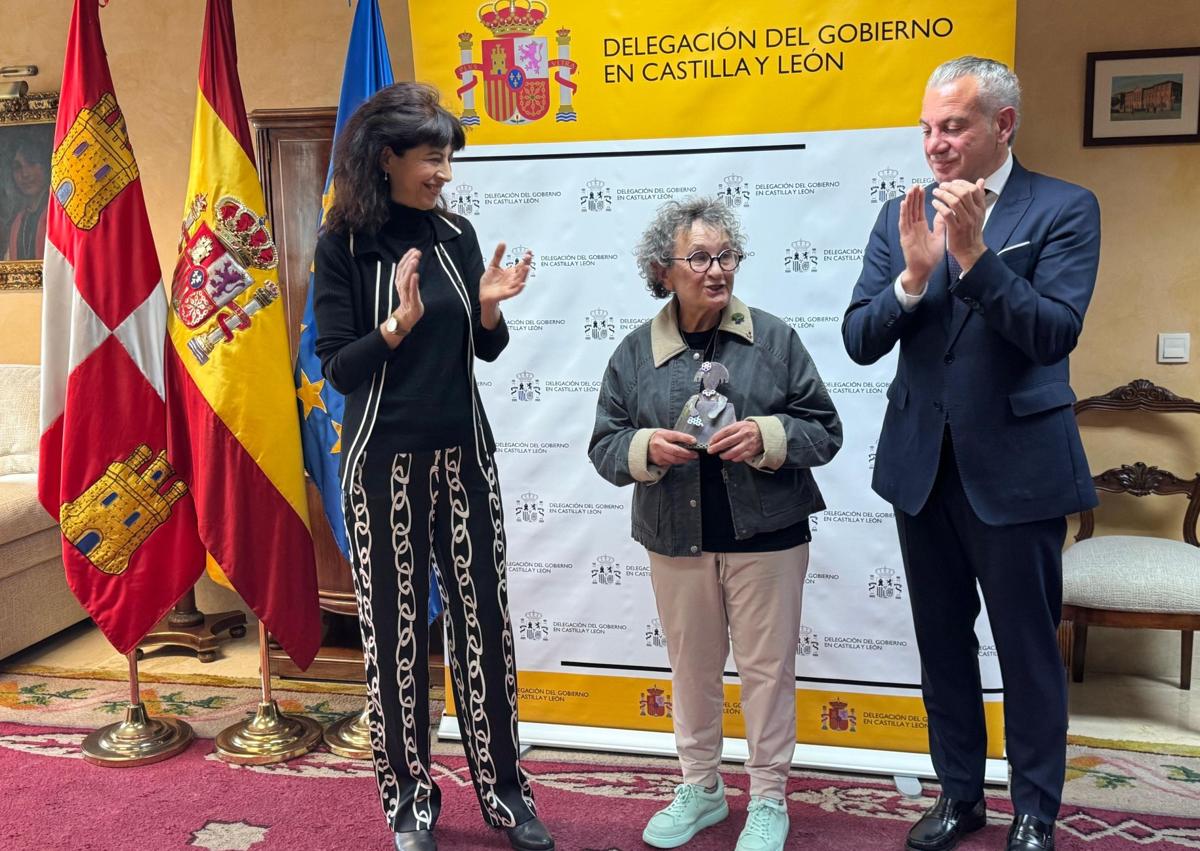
(701, 261)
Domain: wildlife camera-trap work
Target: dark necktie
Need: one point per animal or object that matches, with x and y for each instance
(955, 269)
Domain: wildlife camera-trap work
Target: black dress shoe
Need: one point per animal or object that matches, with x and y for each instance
(530, 835)
(1030, 834)
(416, 840)
(946, 822)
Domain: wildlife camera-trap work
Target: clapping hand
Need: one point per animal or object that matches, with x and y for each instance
(962, 206)
(923, 248)
(410, 308)
(503, 282)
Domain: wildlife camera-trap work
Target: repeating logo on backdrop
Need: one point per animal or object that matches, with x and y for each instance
(733, 191)
(516, 66)
(800, 256)
(655, 637)
(871, 450)
(884, 584)
(809, 643)
(534, 626)
(655, 703)
(514, 257)
(530, 508)
(606, 571)
(599, 326)
(525, 387)
(887, 184)
(463, 200)
(839, 716)
(595, 197)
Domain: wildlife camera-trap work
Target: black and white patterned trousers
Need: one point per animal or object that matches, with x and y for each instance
(405, 512)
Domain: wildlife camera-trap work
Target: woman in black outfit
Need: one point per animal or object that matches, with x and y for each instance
(404, 305)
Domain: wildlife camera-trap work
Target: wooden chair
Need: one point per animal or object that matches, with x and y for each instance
(1134, 581)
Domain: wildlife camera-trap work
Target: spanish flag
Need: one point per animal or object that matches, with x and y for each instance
(233, 423)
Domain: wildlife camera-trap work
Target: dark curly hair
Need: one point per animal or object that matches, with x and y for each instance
(401, 116)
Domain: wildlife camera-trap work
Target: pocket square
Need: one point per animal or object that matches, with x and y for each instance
(1012, 247)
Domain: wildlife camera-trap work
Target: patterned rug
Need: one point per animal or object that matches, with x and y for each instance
(53, 800)
(87, 699)
(1141, 777)
(44, 714)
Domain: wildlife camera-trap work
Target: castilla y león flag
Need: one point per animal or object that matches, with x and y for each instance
(234, 427)
(130, 546)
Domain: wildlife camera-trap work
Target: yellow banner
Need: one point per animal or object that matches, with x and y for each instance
(566, 70)
(842, 719)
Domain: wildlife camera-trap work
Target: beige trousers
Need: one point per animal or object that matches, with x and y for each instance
(754, 600)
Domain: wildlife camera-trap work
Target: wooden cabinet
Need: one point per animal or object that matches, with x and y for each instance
(293, 147)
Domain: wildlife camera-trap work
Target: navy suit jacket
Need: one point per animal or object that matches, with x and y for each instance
(986, 354)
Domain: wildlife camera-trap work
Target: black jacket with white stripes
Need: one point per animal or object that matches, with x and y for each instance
(421, 395)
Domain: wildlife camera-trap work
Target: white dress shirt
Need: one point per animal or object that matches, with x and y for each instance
(993, 185)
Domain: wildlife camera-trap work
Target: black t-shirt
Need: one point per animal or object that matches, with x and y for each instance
(716, 516)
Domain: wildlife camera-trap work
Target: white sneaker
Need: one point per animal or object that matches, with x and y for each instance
(693, 809)
(766, 826)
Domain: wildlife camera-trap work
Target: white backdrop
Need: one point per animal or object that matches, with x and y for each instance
(579, 585)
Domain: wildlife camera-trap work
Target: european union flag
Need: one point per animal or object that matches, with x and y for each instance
(368, 69)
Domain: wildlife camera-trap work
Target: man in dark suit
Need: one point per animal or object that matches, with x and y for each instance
(982, 278)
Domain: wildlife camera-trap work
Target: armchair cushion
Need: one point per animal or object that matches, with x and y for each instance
(1133, 574)
(23, 553)
(20, 429)
(21, 514)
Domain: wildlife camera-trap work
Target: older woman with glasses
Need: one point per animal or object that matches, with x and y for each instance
(715, 412)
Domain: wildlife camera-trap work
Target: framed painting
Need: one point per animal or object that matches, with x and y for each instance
(1142, 97)
(26, 142)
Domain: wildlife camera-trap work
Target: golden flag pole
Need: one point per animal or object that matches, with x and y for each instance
(270, 736)
(351, 736)
(139, 739)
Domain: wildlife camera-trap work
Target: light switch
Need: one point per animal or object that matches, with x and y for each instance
(1174, 348)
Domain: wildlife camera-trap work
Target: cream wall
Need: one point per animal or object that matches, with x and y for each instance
(1149, 265)
(1149, 272)
(291, 53)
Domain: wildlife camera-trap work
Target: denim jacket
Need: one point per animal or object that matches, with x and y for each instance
(773, 382)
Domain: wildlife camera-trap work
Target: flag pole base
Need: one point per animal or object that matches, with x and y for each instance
(270, 736)
(138, 740)
(350, 737)
(187, 626)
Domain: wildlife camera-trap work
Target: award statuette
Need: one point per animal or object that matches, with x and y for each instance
(707, 412)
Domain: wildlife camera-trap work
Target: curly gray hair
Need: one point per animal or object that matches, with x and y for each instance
(998, 85)
(658, 240)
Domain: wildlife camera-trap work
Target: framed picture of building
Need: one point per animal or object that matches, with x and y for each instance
(26, 141)
(1142, 97)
